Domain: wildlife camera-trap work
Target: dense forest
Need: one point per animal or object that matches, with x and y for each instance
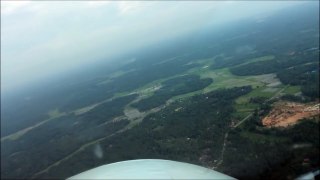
(65, 135)
(272, 151)
(182, 131)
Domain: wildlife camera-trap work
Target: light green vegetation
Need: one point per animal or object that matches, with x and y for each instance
(243, 105)
(223, 78)
(119, 73)
(145, 91)
(265, 85)
(169, 59)
(55, 113)
(257, 92)
(292, 90)
(120, 94)
(258, 59)
(241, 114)
(113, 75)
(183, 96)
(104, 81)
(85, 109)
(261, 138)
(204, 62)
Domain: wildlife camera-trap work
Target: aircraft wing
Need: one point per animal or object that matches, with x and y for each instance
(151, 169)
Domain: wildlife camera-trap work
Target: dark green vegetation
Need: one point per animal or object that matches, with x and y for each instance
(58, 138)
(90, 109)
(279, 64)
(259, 153)
(173, 87)
(108, 110)
(184, 135)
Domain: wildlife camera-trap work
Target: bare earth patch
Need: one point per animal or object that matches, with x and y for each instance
(286, 113)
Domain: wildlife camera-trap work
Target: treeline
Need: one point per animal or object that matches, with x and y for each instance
(173, 87)
(300, 75)
(290, 97)
(222, 62)
(183, 131)
(255, 68)
(307, 76)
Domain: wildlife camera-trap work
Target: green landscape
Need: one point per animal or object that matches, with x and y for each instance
(189, 103)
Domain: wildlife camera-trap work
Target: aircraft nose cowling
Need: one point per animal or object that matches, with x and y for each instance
(150, 169)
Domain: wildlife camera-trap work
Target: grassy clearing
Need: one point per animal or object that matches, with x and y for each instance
(241, 114)
(245, 107)
(260, 138)
(85, 109)
(183, 96)
(242, 104)
(292, 90)
(258, 59)
(113, 75)
(257, 92)
(222, 78)
(205, 62)
(146, 90)
(55, 113)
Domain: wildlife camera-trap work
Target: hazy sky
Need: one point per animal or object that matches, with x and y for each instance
(40, 39)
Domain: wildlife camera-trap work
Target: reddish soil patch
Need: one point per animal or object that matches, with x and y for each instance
(286, 113)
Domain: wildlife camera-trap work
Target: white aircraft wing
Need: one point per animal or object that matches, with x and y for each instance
(151, 169)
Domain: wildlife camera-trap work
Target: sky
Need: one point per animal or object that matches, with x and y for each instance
(40, 39)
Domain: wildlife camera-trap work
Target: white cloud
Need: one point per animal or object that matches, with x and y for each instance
(94, 4)
(129, 6)
(54, 36)
(8, 7)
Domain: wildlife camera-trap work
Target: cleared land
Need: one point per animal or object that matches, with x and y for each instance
(286, 113)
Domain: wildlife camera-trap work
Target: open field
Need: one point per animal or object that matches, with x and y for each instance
(257, 92)
(55, 113)
(292, 90)
(224, 79)
(259, 59)
(261, 138)
(264, 85)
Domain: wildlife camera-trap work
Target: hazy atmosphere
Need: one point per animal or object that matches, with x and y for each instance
(130, 89)
(41, 39)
